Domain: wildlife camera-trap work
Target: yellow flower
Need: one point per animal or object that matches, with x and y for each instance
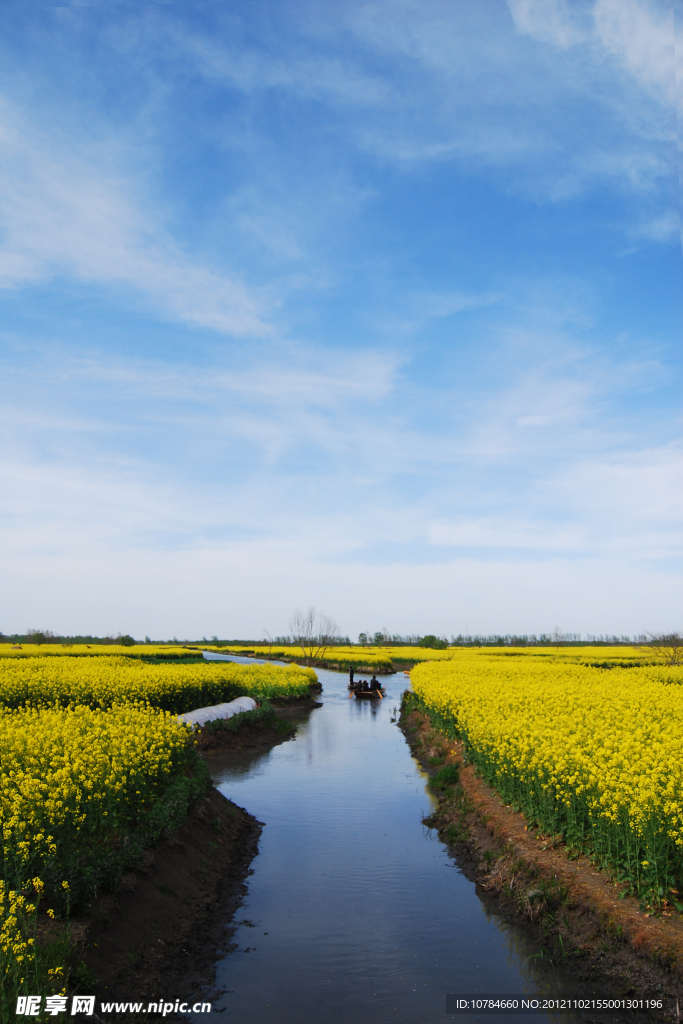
(596, 756)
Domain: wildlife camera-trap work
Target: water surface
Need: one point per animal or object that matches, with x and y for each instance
(355, 911)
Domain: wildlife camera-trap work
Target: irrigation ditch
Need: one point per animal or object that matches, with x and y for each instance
(170, 920)
(174, 920)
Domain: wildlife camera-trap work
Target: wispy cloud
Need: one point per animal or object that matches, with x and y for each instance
(302, 71)
(68, 208)
(447, 227)
(639, 34)
(431, 83)
(552, 21)
(346, 457)
(486, 105)
(276, 410)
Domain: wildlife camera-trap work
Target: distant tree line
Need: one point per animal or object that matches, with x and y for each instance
(545, 640)
(46, 636)
(555, 639)
(313, 631)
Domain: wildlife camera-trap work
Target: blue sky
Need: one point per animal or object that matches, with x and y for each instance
(372, 306)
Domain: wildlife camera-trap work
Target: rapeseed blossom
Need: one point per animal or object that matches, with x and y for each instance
(104, 681)
(81, 791)
(75, 781)
(595, 755)
(94, 766)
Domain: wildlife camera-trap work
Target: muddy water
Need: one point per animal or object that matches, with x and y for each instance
(355, 911)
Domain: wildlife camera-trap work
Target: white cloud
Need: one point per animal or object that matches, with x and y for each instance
(505, 533)
(634, 492)
(433, 82)
(641, 36)
(638, 33)
(335, 459)
(304, 378)
(67, 209)
(663, 228)
(627, 508)
(553, 21)
(492, 101)
(178, 485)
(331, 406)
(240, 589)
(302, 71)
(527, 486)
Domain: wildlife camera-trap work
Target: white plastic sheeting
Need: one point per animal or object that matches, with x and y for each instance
(203, 715)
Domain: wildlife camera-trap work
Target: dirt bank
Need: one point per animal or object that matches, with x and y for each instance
(580, 918)
(159, 937)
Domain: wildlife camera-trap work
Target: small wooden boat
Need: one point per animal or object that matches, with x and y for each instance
(369, 695)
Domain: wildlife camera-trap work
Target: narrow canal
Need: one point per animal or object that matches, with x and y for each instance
(355, 911)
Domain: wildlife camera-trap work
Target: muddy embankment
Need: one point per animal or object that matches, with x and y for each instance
(582, 921)
(159, 936)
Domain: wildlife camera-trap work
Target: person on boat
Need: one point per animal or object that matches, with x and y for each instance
(356, 688)
(366, 686)
(375, 683)
(351, 676)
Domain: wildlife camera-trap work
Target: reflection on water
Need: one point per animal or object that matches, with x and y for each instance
(355, 911)
(229, 765)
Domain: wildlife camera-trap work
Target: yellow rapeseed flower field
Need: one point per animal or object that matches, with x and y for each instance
(593, 754)
(338, 656)
(78, 778)
(102, 682)
(17, 940)
(82, 791)
(94, 766)
(165, 651)
(383, 657)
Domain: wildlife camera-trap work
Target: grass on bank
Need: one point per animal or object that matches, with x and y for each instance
(263, 715)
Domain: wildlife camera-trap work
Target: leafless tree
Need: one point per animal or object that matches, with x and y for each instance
(558, 637)
(667, 646)
(314, 632)
(269, 640)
